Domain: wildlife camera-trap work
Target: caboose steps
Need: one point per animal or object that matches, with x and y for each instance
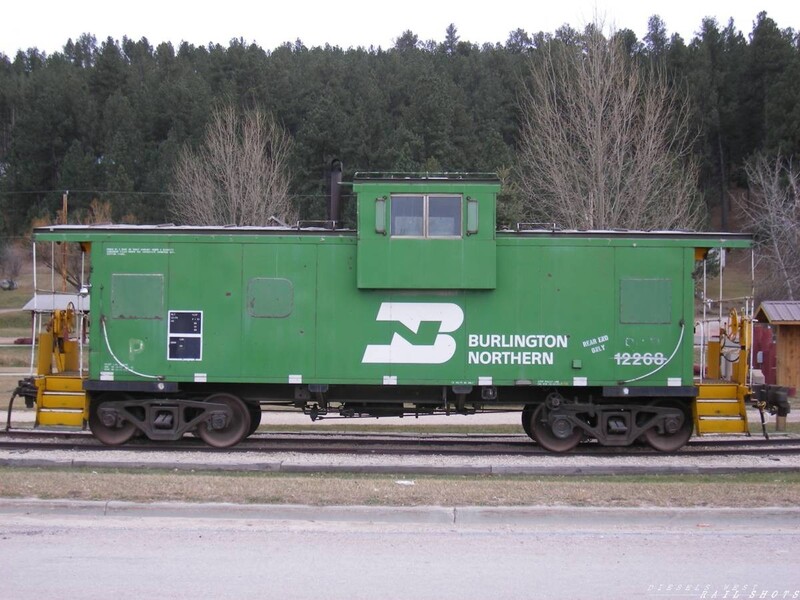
(61, 401)
(57, 400)
(59, 418)
(720, 408)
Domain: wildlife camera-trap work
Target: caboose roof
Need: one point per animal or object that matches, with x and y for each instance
(426, 177)
(92, 232)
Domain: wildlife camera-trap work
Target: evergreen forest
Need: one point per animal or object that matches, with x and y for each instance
(106, 119)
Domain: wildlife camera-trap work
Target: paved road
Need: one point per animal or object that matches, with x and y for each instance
(564, 554)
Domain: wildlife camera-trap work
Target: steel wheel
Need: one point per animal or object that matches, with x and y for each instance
(680, 431)
(236, 428)
(527, 413)
(113, 434)
(255, 418)
(546, 438)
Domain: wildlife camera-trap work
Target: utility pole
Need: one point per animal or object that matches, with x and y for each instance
(64, 246)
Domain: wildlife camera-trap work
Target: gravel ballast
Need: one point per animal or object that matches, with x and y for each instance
(298, 462)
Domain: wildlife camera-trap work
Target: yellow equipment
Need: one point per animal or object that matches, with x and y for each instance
(721, 405)
(60, 399)
(57, 386)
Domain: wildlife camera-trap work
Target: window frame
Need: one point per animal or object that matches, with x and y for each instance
(426, 199)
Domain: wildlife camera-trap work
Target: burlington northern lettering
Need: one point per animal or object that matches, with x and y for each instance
(494, 348)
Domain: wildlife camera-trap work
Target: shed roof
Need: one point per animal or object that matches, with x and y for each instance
(779, 312)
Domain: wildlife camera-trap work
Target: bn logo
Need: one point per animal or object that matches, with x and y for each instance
(411, 314)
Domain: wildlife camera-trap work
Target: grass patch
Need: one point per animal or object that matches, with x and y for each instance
(24, 292)
(15, 298)
(8, 384)
(15, 357)
(380, 490)
(13, 324)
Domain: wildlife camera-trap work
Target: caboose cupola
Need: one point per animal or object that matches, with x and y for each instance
(426, 231)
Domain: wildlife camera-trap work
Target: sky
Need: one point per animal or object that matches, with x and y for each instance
(47, 24)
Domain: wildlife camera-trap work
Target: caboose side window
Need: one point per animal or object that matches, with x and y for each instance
(444, 216)
(408, 216)
(429, 216)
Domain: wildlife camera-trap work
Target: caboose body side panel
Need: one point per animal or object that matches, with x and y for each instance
(580, 311)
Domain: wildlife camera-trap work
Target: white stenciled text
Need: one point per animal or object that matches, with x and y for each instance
(513, 349)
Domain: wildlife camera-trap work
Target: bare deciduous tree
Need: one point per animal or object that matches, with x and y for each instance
(774, 216)
(239, 176)
(605, 142)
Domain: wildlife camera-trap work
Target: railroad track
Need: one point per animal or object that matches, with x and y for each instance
(390, 444)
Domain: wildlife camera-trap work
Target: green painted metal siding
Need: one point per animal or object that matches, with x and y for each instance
(556, 317)
(274, 348)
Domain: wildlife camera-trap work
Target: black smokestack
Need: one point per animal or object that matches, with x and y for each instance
(335, 206)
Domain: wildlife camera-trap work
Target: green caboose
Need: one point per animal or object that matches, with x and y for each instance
(424, 308)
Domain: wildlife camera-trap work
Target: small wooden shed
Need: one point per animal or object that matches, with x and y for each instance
(784, 316)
